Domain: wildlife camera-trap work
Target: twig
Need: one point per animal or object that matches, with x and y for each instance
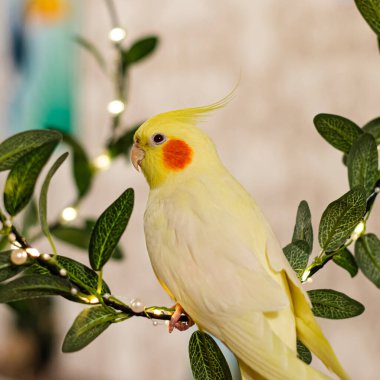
(48, 262)
(321, 260)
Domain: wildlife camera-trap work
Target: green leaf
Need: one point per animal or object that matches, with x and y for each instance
(76, 236)
(340, 219)
(92, 49)
(297, 253)
(123, 144)
(370, 10)
(303, 352)
(88, 325)
(43, 196)
(81, 166)
(4, 242)
(140, 50)
(34, 286)
(328, 303)
(337, 130)
(21, 180)
(15, 147)
(206, 359)
(373, 128)
(7, 268)
(79, 236)
(303, 230)
(80, 274)
(346, 260)
(36, 268)
(362, 163)
(109, 228)
(367, 254)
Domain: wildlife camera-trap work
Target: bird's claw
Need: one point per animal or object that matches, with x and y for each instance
(176, 323)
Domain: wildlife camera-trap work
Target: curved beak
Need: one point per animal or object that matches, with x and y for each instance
(137, 155)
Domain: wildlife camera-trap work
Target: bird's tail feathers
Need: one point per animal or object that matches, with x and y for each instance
(309, 332)
(257, 346)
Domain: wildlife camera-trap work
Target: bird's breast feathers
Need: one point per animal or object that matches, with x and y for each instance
(208, 243)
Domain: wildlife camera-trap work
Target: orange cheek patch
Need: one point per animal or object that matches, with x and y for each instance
(177, 154)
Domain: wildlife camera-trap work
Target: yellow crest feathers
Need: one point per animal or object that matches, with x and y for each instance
(193, 114)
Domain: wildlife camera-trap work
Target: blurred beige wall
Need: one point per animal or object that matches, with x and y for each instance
(296, 59)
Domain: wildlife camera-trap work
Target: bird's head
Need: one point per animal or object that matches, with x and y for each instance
(170, 145)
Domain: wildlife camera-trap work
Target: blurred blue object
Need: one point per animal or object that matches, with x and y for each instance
(44, 55)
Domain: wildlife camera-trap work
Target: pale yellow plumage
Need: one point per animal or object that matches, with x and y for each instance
(213, 251)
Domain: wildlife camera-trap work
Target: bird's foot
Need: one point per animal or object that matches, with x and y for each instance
(176, 323)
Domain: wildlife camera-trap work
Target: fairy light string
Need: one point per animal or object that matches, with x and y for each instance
(23, 250)
(115, 108)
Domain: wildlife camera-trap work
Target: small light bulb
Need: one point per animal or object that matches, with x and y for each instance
(157, 312)
(69, 214)
(354, 236)
(309, 280)
(305, 275)
(115, 107)
(63, 272)
(359, 228)
(19, 257)
(117, 34)
(33, 252)
(93, 300)
(102, 162)
(137, 306)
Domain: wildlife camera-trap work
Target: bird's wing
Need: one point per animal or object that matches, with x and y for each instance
(200, 251)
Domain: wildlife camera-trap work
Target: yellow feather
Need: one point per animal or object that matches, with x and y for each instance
(214, 252)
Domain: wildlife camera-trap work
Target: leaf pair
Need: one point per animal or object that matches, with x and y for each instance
(360, 146)
(91, 322)
(137, 52)
(299, 250)
(38, 285)
(25, 154)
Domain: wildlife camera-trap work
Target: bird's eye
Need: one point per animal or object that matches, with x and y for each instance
(158, 138)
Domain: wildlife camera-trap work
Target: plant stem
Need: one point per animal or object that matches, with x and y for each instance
(321, 260)
(112, 12)
(50, 263)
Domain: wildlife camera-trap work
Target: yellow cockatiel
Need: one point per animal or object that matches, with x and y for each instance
(215, 254)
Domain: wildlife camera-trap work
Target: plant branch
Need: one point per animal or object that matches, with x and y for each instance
(112, 12)
(49, 262)
(320, 261)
